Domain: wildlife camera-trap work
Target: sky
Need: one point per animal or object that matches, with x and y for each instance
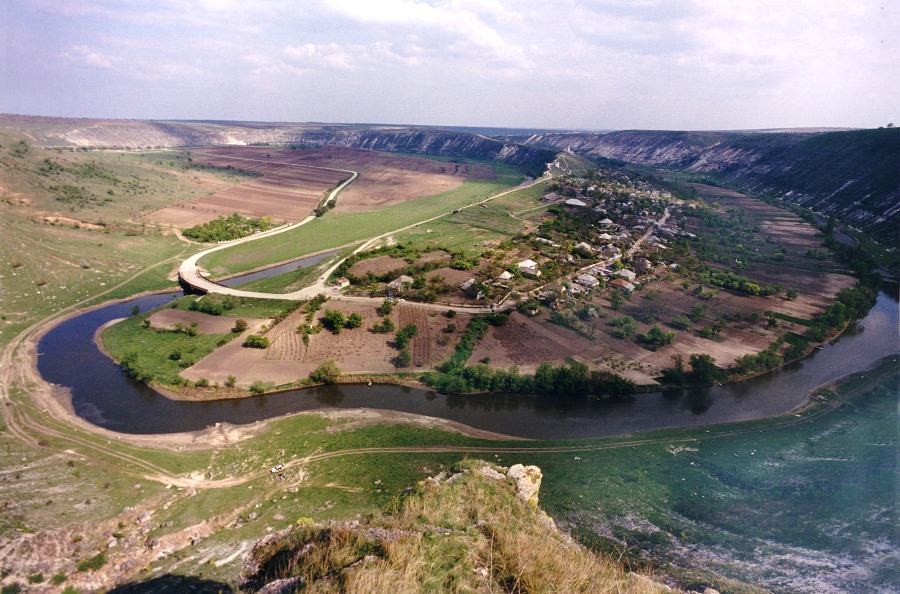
(565, 64)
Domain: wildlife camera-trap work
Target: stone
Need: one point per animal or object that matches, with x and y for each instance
(528, 481)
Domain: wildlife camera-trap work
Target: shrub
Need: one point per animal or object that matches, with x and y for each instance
(386, 307)
(202, 383)
(239, 326)
(260, 387)
(655, 338)
(384, 327)
(403, 359)
(326, 373)
(681, 323)
(230, 381)
(405, 335)
(255, 341)
(354, 320)
(58, 579)
(334, 320)
(92, 563)
(36, 578)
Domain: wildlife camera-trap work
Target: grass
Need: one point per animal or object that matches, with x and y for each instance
(158, 355)
(339, 229)
(242, 307)
(47, 268)
(472, 535)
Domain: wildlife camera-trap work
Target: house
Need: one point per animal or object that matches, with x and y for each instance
(606, 222)
(342, 283)
(587, 281)
(529, 267)
(576, 202)
(400, 282)
(551, 197)
(622, 285)
(605, 237)
(626, 274)
(505, 276)
(583, 248)
(467, 285)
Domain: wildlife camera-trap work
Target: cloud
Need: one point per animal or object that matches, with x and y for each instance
(86, 56)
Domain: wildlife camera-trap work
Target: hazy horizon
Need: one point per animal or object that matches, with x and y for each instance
(576, 65)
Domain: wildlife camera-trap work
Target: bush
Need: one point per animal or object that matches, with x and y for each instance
(681, 323)
(383, 327)
(260, 387)
(202, 383)
(403, 358)
(239, 326)
(230, 382)
(326, 373)
(354, 320)
(405, 335)
(207, 305)
(58, 579)
(655, 338)
(386, 307)
(92, 563)
(255, 341)
(334, 320)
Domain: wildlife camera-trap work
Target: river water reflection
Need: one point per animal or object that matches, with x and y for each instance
(102, 394)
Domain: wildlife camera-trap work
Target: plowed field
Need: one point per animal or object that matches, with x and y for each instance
(293, 182)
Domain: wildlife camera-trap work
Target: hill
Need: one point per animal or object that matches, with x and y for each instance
(851, 175)
(119, 134)
(478, 530)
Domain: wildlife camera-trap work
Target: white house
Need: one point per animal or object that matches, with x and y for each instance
(587, 281)
(529, 267)
(626, 274)
(576, 202)
(505, 276)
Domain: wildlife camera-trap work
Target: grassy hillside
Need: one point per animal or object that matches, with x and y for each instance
(468, 531)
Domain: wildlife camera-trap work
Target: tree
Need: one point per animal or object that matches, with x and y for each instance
(334, 320)
(386, 307)
(383, 327)
(616, 300)
(656, 337)
(403, 358)
(326, 373)
(354, 320)
(405, 335)
(545, 378)
(704, 369)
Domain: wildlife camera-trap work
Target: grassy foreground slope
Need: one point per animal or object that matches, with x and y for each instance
(476, 529)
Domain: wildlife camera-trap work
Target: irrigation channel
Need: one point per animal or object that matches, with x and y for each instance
(102, 394)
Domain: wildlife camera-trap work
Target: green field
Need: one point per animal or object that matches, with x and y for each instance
(339, 229)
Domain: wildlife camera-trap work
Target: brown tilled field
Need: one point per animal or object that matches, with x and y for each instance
(378, 265)
(355, 351)
(293, 182)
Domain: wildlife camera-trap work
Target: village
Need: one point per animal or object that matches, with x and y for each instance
(603, 231)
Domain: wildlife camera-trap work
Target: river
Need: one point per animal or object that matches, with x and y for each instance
(102, 394)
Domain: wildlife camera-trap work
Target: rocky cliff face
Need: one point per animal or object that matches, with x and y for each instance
(853, 176)
(159, 134)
